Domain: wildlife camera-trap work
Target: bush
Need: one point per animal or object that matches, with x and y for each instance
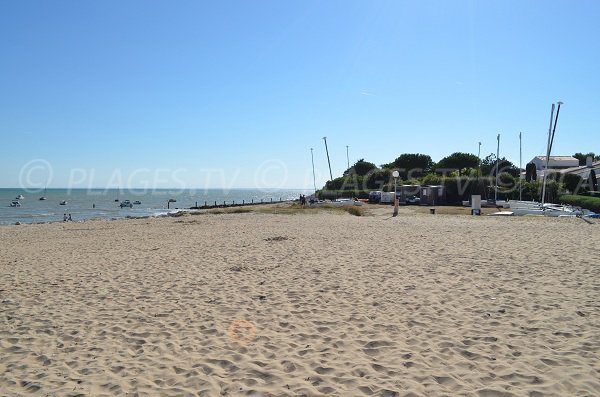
(354, 210)
(432, 179)
(587, 202)
(573, 183)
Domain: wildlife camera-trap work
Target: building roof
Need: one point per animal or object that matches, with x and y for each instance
(557, 158)
(581, 168)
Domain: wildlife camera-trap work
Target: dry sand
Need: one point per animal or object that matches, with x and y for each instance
(258, 304)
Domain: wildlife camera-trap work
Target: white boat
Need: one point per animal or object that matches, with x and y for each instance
(19, 197)
(339, 203)
(547, 210)
(44, 196)
(64, 202)
(15, 203)
(544, 209)
(126, 203)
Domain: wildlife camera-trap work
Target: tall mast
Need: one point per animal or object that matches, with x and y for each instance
(328, 162)
(312, 158)
(347, 157)
(497, 162)
(547, 155)
(520, 167)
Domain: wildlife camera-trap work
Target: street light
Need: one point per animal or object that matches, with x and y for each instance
(395, 174)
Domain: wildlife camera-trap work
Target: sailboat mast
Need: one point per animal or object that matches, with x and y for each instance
(328, 162)
(497, 161)
(547, 156)
(312, 159)
(520, 168)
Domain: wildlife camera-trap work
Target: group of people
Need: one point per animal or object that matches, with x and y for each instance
(303, 200)
(67, 218)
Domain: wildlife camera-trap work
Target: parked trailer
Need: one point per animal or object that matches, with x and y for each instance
(387, 198)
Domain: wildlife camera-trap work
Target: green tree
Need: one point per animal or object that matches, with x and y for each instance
(377, 179)
(506, 180)
(458, 161)
(530, 172)
(432, 179)
(583, 157)
(411, 165)
(361, 167)
(593, 181)
(488, 166)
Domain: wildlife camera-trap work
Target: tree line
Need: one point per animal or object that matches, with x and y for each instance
(462, 174)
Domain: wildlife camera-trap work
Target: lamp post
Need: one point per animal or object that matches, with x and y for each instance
(395, 174)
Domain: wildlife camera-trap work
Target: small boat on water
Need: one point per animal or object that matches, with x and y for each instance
(172, 200)
(64, 202)
(44, 196)
(137, 202)
(15, 203)
(126, 203)
(19, 197)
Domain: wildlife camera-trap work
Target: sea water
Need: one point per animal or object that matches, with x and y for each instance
(85, 204)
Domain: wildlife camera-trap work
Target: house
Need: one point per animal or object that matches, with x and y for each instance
(583, 170)
(555, 162)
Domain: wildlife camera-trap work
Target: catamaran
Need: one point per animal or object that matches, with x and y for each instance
(518, 207)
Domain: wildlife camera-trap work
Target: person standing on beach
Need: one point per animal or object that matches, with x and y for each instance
(65, 217)
(70, 219)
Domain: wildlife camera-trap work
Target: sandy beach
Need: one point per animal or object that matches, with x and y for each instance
(301, 304)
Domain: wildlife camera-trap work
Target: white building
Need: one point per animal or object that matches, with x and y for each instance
(554, 163)
(583, 170)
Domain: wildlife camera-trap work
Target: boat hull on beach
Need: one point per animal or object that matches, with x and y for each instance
(533, 208)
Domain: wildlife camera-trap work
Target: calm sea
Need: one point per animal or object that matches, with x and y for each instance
(90, 203)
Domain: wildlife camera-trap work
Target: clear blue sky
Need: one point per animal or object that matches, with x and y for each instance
(235, 93)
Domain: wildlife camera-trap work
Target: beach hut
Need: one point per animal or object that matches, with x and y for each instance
(433, 195)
